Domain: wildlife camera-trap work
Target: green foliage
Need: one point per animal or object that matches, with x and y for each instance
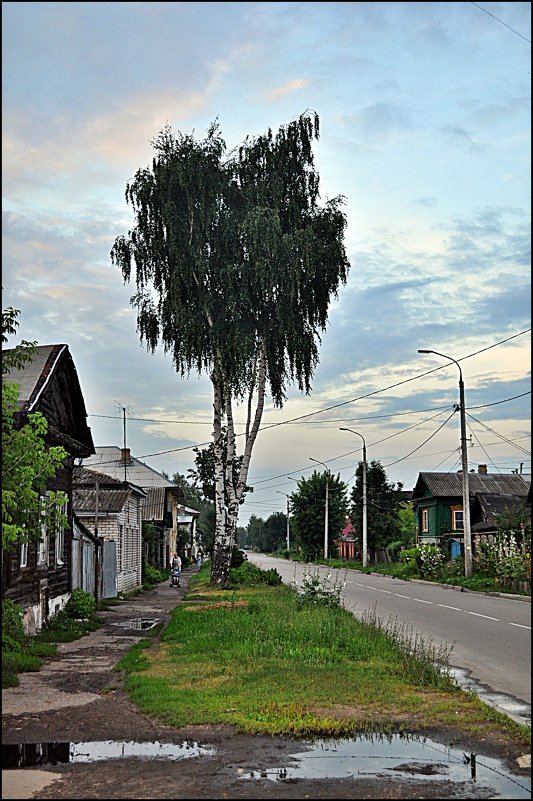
(406, 525)
(248, 575)
(308, 513)
(235, 266)
(385, 524)
(321, 591)
(27, 464)
(80, 605)
(430, 562)
(13, 634)
(151, 575)
(237, 557)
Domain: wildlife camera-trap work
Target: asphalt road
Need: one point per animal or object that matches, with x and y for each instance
(490, 636)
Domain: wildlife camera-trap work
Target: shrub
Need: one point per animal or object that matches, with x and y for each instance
(316, 590)
(80, 605)
(409, 558)
(430, 561)
(151, 575)
(13, 634)
(248, 575)
(237, 557)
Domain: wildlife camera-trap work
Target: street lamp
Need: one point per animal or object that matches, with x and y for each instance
(327, 508)
(365, 529)
(464, 459)
(284, 493)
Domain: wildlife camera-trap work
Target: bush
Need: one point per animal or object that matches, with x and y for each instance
(430, 561)
(237, 557)
(409, 559)
(248, 575)
(151, 575)
(317, 590)
(80, 606)
(13, 634)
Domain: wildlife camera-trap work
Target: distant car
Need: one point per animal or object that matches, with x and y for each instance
(243, 554)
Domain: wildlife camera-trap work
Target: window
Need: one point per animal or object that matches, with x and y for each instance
(425, 519)
(23, 558)
(457, 520)
(42, 552)
(60, 535)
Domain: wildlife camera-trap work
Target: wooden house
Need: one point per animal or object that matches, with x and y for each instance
(438, 505)
(37, 576)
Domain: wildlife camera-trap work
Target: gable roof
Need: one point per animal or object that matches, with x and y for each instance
(448, 485)
(49, 384)
(490, 506)
(112, 493)
(108, 459)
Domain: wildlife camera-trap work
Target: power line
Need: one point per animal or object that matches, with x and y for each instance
(352, 400)
(492, 431)
(423, 443)
(501, 22)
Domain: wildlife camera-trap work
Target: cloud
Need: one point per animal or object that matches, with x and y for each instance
(379, 121)
(459, 136)
(287, 88)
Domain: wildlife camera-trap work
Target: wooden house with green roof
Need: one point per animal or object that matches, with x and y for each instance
(438, 505)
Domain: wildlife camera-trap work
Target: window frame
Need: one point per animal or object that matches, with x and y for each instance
(425, 520)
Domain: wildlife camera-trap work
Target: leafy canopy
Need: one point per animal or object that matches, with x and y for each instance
(308, 513)
(27, 463)
(232, 253)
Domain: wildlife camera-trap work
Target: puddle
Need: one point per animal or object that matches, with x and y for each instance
(397, 756)
(142, 623)
(34, 754)
(519, 711)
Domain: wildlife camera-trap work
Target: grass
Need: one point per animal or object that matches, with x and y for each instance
(264, 661)
(476, 583)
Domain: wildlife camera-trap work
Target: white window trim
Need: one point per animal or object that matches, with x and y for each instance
(455, 527)
(60, 537)
(42, 548)
(425, 520)
(23, 558)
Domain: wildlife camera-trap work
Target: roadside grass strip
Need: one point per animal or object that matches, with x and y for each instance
(263, 661)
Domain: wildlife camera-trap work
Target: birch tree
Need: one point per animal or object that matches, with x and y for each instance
(235, 265)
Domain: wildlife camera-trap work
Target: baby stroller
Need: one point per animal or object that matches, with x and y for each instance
(175, 577)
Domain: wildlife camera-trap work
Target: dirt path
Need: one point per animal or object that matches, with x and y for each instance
(78, 697)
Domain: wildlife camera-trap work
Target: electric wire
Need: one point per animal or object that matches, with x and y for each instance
(500, 21)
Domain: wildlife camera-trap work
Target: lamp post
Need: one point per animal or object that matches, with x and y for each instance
(464, 460)
(288, 531)
(365, 529)
(327, 508)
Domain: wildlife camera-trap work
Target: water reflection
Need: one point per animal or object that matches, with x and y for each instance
(401, 755)
(29, 755)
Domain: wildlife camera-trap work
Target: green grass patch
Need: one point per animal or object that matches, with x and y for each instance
(261, 660)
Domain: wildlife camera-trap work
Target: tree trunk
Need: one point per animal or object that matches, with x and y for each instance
(223, 544)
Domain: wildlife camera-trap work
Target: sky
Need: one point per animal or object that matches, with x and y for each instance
(425, 130)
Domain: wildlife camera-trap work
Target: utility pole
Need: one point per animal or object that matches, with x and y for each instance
(97, 561)
(288, 527)
(326, 513)
(365, 519)
(464, 464)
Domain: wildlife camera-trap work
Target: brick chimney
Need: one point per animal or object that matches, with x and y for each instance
(125, 456)
(482, 469)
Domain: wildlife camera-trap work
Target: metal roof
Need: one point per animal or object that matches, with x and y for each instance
(88, 478)
(109, 501)
(451, 484)
(108, 459)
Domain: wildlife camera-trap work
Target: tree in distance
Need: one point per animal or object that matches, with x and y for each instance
(235, 265)
(308, 514)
